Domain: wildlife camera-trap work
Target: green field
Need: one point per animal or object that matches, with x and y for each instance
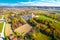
(57, 23)
(0, 16)
(40, 36)
(1, 26)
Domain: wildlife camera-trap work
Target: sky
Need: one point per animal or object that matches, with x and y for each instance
(29, 2)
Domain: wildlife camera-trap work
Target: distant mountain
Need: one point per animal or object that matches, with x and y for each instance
(42, 7)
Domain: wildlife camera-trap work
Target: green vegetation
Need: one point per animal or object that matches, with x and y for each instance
(55, 16)
(1, 26)
(40, 36)
(0, 16)
(37, 35)
(55, 23)
(43, 25)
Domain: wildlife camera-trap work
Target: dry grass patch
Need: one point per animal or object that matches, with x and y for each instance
(23, 29)
(8, 30)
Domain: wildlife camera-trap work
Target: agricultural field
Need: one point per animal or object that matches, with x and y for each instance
(40, 36)
(1, 26)
(46, 25)
(56, 22)
(0, 16)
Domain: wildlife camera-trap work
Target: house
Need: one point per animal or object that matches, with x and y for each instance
(27, 17)
(15, 38)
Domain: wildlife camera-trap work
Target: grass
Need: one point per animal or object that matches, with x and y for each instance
(57, 26)
(40, 36)
(0, 16)
(1, 26)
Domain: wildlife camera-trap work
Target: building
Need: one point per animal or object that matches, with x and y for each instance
(28, 16)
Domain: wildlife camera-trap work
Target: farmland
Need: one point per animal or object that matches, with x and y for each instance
(1, 26)
(0, 16)
(57, 23)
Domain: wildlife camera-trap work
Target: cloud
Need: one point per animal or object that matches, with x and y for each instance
(34, 3)
(40, 3)
(46, 1)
